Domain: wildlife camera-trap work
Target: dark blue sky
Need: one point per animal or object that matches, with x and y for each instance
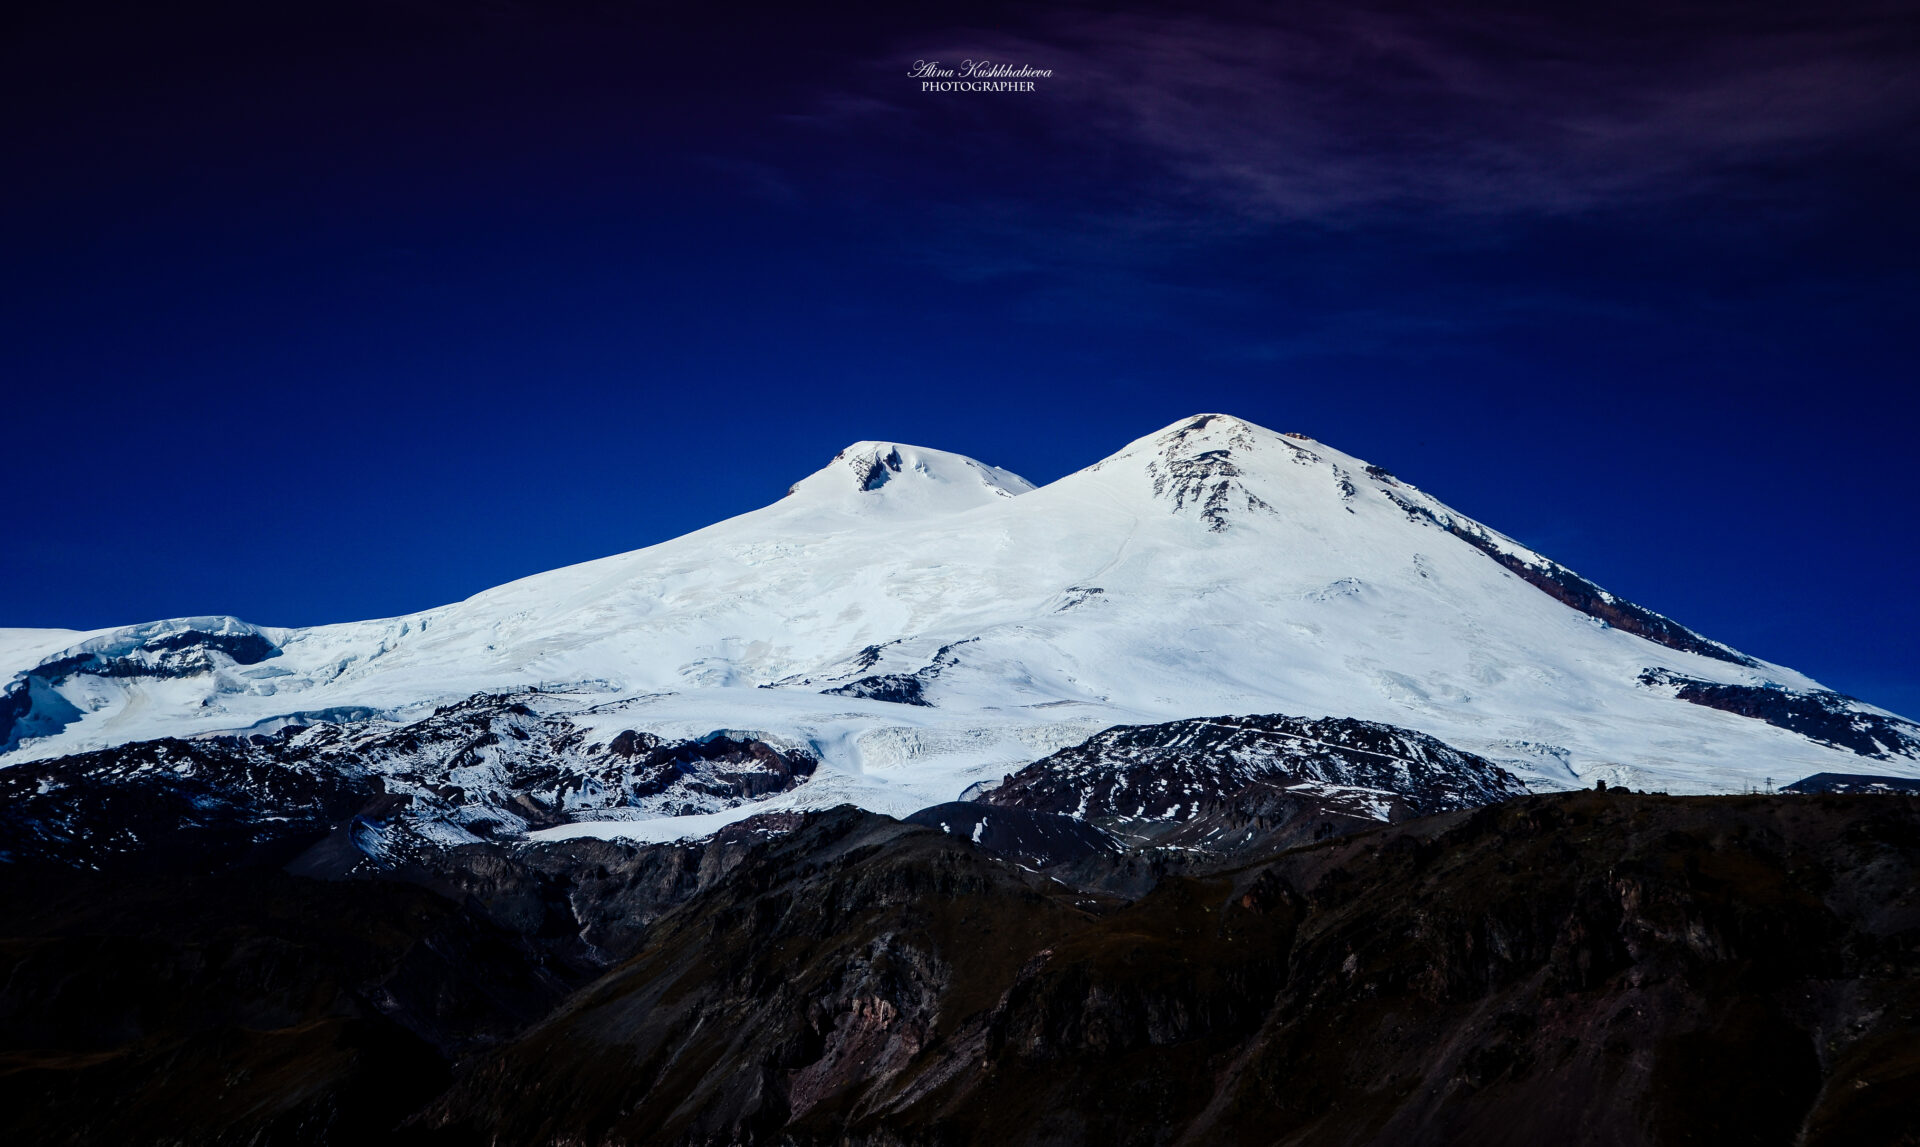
(345, 311)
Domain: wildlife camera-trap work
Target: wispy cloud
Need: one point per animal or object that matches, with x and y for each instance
(1325, 109)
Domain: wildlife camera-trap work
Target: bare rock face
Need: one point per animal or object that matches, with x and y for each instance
(1816, 714)
(369, 793)
(1224, 784)
(1852, 783)
(1035, 839)
(1195, 476)
(899, 688)
(207, 803)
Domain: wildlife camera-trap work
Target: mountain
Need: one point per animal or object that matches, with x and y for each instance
(1583, 968)
(906, 625)
(1204, 795)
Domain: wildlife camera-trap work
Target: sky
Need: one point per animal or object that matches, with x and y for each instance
(321, 311)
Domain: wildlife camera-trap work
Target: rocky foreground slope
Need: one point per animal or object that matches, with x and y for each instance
(1584, 968)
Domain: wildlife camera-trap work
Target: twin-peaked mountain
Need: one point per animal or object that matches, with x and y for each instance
(906, 625)
(1207, 775)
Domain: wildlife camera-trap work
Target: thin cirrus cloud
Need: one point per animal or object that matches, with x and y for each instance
(1326, 111)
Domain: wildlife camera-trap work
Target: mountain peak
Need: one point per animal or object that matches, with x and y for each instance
(1219, 423)
(1200, 434)
(1217, 467)
(872, 473)
(919, 621)
(1214, 425)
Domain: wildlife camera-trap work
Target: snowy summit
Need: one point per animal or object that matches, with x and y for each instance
(922, 623)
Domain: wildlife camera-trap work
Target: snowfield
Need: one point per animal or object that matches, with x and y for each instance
(972, 623)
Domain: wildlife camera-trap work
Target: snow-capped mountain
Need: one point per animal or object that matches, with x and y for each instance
(920, 623)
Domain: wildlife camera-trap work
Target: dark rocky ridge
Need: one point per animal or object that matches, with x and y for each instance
(1216, 777)
(244, 1007)
(1035, 839)
(188, 1003)
(1585, 968)
(1593, 968)
(1853, 783)
(1572, 590)
(206, 804)
(730, 768)
(489, 767)
(899, 688)
(1818, 715)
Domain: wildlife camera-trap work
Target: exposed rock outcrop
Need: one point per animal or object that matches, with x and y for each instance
(1816, 714)
(487, 768)
(1223, 784)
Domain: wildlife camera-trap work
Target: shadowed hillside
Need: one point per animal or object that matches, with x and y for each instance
(1584, 968)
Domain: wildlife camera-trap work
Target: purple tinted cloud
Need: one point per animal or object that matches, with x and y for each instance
(1325, 109)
